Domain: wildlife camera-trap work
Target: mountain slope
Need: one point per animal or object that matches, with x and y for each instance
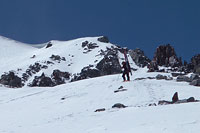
(67, 56)
(70, 107)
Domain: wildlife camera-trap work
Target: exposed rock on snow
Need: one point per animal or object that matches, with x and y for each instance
(165, 55)
(175, 100)
(110, 63)
(42, 81)
(60, 77)
(49, 44)
(33, 69)
(100, 110)
(57, 58)
(120, 89)
(195, 82)
(87, 72)
(119, 105)
(11, 80)
(195, 63)
(103, 39)
(139, 58)
(88, 46)
(159, 77)
(183, 78)
(175, 97)
(194, 77)
(177, 74)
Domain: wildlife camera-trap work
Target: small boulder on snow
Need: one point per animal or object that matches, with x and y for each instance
(159, 77)
(100, 110)
(103, 39)
(183, 78)
(119, 105)
(49, 45)
(194, 77)
(195, 82)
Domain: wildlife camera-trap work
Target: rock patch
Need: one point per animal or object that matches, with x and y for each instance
(11, 80)
(119, 105)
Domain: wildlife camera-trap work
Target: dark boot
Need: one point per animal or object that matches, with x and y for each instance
(128, 77)
(123, 76)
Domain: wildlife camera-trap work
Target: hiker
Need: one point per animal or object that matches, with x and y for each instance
(125, 71)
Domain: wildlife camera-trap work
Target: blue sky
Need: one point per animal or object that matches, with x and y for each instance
(143, 24)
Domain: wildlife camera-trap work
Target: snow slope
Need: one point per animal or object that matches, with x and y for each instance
(12, 52)
(42, 110)
(70, 107)
(20, 56)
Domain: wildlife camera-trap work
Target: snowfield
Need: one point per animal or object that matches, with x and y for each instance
(43, 110)
(70, 108)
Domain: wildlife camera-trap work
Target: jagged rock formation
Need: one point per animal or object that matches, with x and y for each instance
(139, 58)
(165, 55)
(11, 80)
(194, 65)
(108, 65)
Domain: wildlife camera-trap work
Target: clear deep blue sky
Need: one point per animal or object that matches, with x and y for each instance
(143, 24)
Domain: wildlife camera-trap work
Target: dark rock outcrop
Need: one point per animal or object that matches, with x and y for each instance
(194, 65)
(153, 66)
(42, 81)
(86, 45)
(57, 58)
(33, 69)
(11, 80)
(86, 72)
(60, 77)
(139, 58)
(103, 39)
(165, 56)
(109, 64)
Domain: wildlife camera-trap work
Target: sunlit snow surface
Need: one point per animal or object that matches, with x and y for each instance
(41, 110)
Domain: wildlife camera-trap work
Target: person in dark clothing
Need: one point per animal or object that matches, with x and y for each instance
(125, 71)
